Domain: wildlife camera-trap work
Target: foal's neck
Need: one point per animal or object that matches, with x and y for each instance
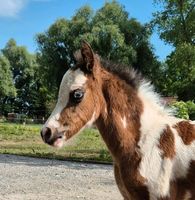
(127, 113)
(119, 121)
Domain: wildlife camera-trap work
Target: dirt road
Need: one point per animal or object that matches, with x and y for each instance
(24, 178)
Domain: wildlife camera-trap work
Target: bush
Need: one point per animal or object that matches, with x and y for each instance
(185, 110)
(191, 109)
(180, 109)
(2, 119)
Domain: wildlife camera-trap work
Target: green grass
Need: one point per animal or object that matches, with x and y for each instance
(25, 140)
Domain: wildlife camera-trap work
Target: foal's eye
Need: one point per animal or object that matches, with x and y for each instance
(76, 96)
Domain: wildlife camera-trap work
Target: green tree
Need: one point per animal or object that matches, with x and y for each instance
(181, 72)
(176, 22)
(109, 30)
(6, 79)
(26, 79)
(7, 88)
(54, 52)
(176, 26)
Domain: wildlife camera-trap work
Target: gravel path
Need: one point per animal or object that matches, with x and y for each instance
(24, 178)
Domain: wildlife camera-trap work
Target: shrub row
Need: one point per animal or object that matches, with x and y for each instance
(184, 110)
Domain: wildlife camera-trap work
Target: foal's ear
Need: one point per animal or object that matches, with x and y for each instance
(88, 56)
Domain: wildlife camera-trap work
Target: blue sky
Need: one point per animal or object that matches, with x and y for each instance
(22, 19)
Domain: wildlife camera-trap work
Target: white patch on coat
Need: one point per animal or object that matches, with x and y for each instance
(154, 121)
(163, 187)
(124, 122)
(159, 171)
(72, 80)
(184, 155)
(152, 164)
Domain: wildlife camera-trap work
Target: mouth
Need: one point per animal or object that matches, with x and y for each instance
(57, 140)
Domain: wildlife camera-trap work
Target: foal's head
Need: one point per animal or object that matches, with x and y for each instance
(78, 102)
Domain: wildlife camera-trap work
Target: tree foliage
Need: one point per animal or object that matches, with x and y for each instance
(6, 79)
(24, 69)
(176, 25)
(176, 22)
(181, 72)
(115, 36)
(185, 110)
(109, 30)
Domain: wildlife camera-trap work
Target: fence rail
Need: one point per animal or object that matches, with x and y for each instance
(22, 121)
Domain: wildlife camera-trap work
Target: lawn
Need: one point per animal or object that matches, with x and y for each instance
(25, 140)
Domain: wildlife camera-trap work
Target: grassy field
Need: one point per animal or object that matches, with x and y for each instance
(25, 140)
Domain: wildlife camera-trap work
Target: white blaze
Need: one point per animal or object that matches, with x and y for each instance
(71, 80)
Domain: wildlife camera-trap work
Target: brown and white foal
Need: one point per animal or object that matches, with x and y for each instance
(153, 152)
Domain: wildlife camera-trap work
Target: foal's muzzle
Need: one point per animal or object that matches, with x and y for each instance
(46, 134)
(52, 136)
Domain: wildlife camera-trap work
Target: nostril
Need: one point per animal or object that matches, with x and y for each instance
(46, 134)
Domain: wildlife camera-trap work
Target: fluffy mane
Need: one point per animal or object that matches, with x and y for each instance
(124, 72)
(138, 82)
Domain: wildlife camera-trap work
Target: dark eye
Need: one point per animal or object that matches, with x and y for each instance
(76, 96)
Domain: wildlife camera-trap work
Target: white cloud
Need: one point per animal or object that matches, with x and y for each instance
(11, 8)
